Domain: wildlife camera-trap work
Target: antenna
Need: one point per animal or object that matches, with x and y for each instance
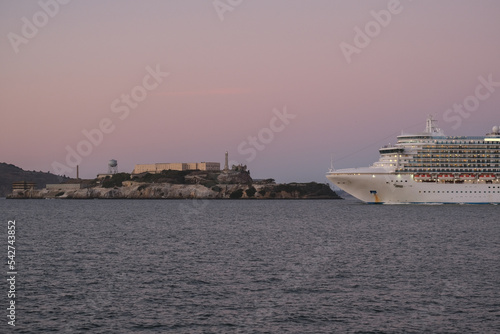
(431, 126)
(331, 163)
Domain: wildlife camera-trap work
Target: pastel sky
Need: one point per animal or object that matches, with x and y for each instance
(233, 66)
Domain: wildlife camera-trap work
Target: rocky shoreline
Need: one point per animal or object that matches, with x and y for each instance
(179, 185)
(140, 190)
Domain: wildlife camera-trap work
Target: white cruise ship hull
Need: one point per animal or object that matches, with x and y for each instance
(392, 188)
(429, 167)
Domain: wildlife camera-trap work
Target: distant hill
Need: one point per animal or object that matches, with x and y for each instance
(10, 173)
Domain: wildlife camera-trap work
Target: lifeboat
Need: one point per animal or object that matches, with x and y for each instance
(487, 177)
(422, 177)
(467, 176)
(446, 177)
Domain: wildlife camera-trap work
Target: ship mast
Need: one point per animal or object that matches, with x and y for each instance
(431, 126)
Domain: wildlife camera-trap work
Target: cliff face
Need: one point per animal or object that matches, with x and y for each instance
(140, 190)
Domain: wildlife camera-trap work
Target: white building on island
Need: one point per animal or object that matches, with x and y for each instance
(159, 167)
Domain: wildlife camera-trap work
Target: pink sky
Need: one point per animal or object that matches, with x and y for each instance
(227, 76)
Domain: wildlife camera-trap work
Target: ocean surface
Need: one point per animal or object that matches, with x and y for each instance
(250, 266)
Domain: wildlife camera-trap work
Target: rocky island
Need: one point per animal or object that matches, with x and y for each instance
(172, 184)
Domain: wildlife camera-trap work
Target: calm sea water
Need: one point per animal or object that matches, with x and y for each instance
(157, 266)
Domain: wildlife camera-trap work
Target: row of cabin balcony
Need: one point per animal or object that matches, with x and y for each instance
(441, 162)
(468, 162)
(459, 152)
(452, 166)
(486, 144)
(464, 165)
(448, 170)
(455, 156)
(440, 148)
(461, 157)
(448, 161)
(465, 150)
(467, 154)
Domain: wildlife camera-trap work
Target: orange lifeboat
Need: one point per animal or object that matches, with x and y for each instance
(467, 176)
(446, 177)
(422, 177)
(487, 177)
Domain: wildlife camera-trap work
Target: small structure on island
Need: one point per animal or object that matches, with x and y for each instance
(66, 186)
(112, 169)
(226, 163)
(23, 185)
(180, 166)
(234, 168)
(239, 168)
(112, 166)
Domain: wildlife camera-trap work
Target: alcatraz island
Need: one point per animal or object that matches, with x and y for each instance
(171, 181)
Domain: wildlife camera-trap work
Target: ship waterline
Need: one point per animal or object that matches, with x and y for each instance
(429, 168)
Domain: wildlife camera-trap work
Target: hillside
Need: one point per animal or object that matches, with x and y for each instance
(10, 173)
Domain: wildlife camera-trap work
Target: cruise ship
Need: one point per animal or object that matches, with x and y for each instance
(428, 167)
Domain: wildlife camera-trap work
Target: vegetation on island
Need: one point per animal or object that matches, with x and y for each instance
(236, 194)
(116, 180)
(302, 189)
(251, 192)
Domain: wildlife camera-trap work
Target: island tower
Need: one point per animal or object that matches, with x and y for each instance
(226, 163)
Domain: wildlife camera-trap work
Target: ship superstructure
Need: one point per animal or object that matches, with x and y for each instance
(429, 167)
